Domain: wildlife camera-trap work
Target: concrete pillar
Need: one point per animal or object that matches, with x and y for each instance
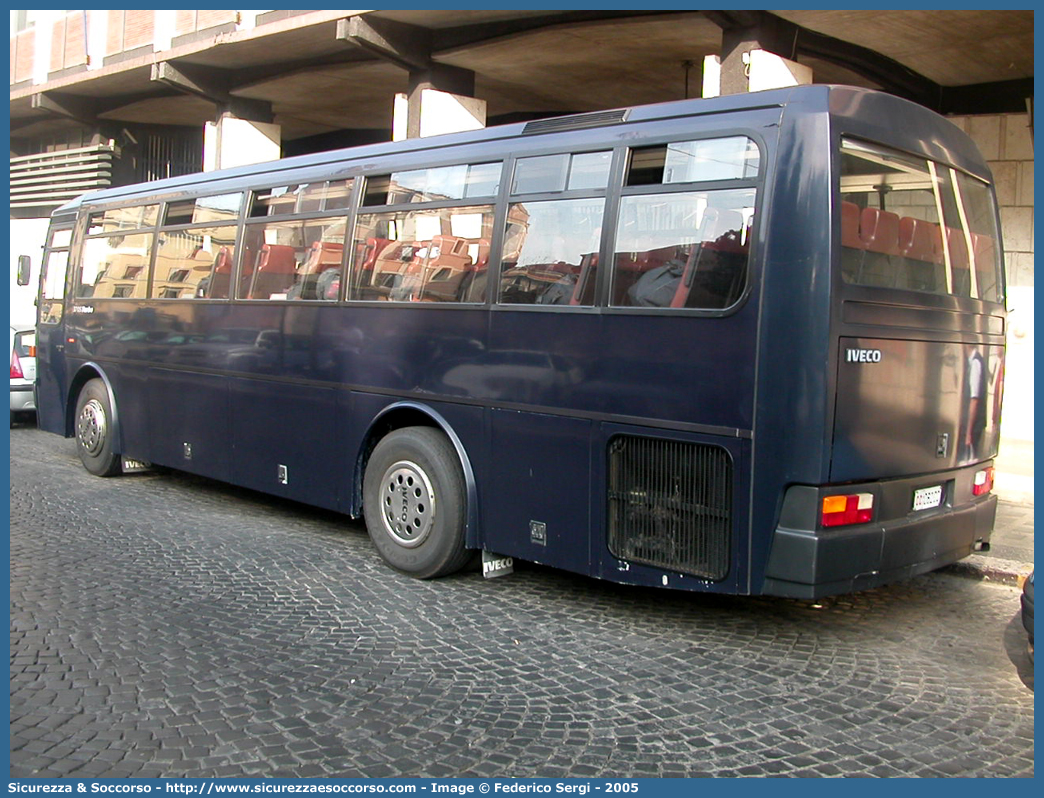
(711, 76)
(165, 24)
(248, 19)
(769, 71)
(432, 113)
(763, 70)
(440, 100)
(752, 60)
(97, 28)
(45, 23)
(236, 142)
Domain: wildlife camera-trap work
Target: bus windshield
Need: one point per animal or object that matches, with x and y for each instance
(914, 224)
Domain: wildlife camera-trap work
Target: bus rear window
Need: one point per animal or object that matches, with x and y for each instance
(913, 224)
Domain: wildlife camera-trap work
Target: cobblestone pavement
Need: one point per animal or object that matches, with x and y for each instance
(164, 625)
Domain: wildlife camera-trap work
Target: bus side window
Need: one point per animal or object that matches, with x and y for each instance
(194, 263)
(114, 266)
(422, 255)
(550, 252)
(682, 250)
(52, 284)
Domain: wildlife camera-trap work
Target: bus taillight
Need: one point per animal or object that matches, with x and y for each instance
(983, 483)
(854, 508)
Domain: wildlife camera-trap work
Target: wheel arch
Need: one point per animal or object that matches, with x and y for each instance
(415, 414)
(87, 372)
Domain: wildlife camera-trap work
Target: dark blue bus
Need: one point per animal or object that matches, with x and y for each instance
(751, 344)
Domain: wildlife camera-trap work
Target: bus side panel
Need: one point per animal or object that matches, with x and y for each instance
(536, 499)
(191, 435)
(131, 386)
(52, 379)
(677, 369)
(287, 442)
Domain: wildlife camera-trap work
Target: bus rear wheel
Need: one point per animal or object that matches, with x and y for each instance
(415, 503)
(95, 430)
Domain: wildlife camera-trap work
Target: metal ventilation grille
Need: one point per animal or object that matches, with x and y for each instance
(670, 505)
(576, 122)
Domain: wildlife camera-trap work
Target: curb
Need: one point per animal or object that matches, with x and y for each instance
(991, 569)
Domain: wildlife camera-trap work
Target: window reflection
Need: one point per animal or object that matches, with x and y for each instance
(301, 198)
(551, 252)
(115, 266)
(982, 232)
(732, 158)
(298, 259)
(561, 172)
(220, 208)
(464, 181)
(194, 263)
(432, 255)
(685, 250)
(116, 219)
(892, 233)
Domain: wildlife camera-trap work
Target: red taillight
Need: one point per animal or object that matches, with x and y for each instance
(853, 508)
(16, 367)
(983, 482)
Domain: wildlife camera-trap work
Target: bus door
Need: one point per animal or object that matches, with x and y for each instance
(51, 377)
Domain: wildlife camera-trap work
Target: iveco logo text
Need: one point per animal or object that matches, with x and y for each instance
(863, 356)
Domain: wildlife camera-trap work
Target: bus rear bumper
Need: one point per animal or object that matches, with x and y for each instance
(806, 563)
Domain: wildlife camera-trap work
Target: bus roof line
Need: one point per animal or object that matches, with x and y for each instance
(657, 112)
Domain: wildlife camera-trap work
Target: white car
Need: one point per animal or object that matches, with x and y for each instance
(23, 370)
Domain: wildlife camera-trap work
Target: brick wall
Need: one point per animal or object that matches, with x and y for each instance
(129, 30)
(1005, 141)
(68, 46)
(191, 21)
(23, 51)
(138, 28)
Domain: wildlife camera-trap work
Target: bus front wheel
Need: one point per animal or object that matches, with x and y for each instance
(415, 503)
(95, 431)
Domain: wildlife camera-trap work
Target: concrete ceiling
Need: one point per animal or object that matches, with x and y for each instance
(535, 62)
(951, 48)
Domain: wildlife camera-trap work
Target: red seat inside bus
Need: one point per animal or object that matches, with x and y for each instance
(274, 274)
(881, 248)
(221, 274)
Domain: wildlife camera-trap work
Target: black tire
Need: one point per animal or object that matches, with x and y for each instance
(415, 503)
(95, 431)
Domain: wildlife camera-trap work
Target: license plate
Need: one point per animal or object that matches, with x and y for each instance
(927, 498)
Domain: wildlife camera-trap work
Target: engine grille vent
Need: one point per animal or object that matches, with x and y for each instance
(576, 121)
(670, 505)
